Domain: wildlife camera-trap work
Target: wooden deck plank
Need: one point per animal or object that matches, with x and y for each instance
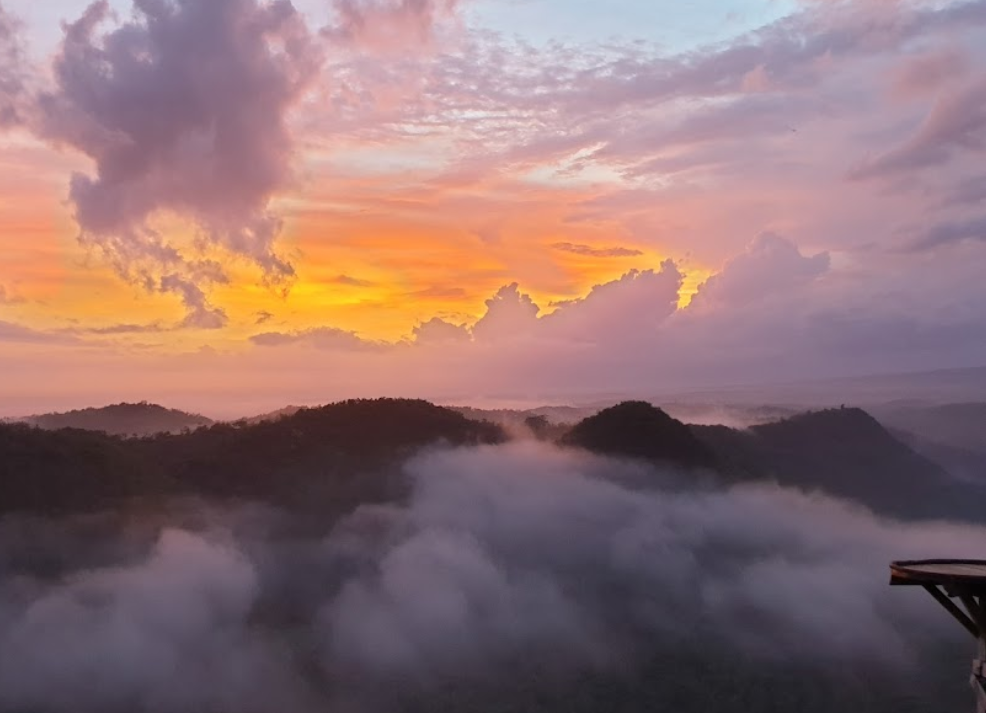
(968, 572)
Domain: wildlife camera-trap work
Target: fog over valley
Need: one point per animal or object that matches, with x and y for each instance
(628, 562)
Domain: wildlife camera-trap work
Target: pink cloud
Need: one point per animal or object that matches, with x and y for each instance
(929, 72)
(956, 122)
(770, 265)
(590, 251)
(621, 311)
(438, 331)
(326, 338)
(389, 26)
(509, 314)
(210, 143)
(13, 71)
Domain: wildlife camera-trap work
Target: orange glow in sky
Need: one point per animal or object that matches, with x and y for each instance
(423, 198)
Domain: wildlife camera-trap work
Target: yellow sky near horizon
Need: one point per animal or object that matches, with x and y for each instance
(380, 265)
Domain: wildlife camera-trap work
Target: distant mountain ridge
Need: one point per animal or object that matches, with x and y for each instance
(956, 425)
(842, 452)
(340, 455)
(847, 453)
(123, 419)
(272, 415)
(554, 415)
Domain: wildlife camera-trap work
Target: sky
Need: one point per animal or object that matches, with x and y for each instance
(231, 205)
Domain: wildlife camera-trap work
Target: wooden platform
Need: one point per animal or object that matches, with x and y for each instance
(951, 583)
(971, 574)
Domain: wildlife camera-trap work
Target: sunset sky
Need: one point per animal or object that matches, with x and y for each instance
(231, 205)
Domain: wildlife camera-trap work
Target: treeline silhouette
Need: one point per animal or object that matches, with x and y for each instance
(842, 452)
(341, 452)
(124, 419)
(638, 429)
(334, 457)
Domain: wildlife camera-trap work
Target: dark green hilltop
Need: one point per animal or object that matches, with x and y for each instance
(339, 455)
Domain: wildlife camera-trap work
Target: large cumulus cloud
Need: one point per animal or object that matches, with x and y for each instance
(774, 312)
(770, 265)
(183, 111)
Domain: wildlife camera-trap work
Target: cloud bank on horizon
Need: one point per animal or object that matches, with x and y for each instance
(387, 187)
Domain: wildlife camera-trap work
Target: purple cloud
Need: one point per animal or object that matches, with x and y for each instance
(968, 191)
(13, 71)
(18, 333)
(949, 232)
(621, 311)
(956, 123)
(126, 328)
(350, 281)
(327, 338)
(440, 331)
(388, 25)
(183, 111)
(509, 314)
(589, 251)
(930, 71)
(770, 265)
(439, 292)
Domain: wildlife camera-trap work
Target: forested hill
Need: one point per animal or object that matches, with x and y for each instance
(639, 430)
(346, 453)
(847, 453)
(124, 419)
(842, 452)
(315, 453)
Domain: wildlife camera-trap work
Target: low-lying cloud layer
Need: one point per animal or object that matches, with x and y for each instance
(517, 573)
